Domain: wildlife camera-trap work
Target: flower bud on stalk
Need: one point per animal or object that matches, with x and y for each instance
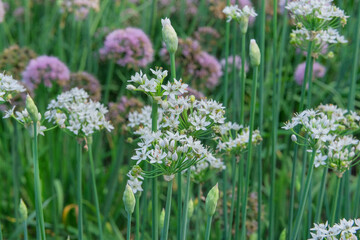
(244, 23)
(162, 218)
(211, 200)
(255, 54)
(23, 211)
(190, 208)
(169, 35)
(129, 199)
(32, 109)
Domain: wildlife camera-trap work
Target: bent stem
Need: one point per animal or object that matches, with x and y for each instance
(79, 190)
(165, 230)
(93, 182)
(208, 227)
(40, 226)
(304, 197)
(250, 145)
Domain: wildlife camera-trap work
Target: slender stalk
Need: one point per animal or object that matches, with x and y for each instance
(137, 218)
(15, 167)
(93, 182)
(239, 192)
(304, 198)
(79, 190)
(1, 237)
(165, 230)
(38, 203)
(274, 127)
(109, 76)
(198, 213)
(128, 230)
(185, 209)
(321, 196)
(308, 103)
(173, 66)
(227, 47)
(154, 193)
(208, 227)
(296, 147)
(152, 22)
(335, 204)
(352, 89)
(242, 78)
(25, 230)
(179, 201)
(261, 111)
(250, 147)
(232, 206)
(225, 209)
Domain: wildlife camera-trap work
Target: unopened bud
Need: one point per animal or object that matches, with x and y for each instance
(255, 54)
(330, 54)
(162, 218)
(244, 23)
(169, 35)
(23, 211)
(211, 200)
(129, 199)
(130, 87)
(293, 138)
(32, 109)
(190, 208)
(192, 98)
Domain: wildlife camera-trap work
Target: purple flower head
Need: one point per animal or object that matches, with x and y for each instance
(129, 47)
(318, 72)
(81, 8)
(2, 11)
(46, 70)
(237, 63)
(210, 69)
(87, 82)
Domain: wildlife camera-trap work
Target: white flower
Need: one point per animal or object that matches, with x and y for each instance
(9, 113)
(320, 160)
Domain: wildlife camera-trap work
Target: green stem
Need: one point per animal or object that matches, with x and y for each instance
(173, 66)
(79, 190)
(304, 197)
(321, 196)
(179, 199)
(40, 225)
(25, 230)
(185, 209)
(109, 76)
(250, 147)
(238, 196)
(128, 230)
(225, 209)
(208, 227)
(137, 218)
(165, 230)
(335, 204)
(154, 194)
(310, 78)
(1, 237)
(352, 89)
(93, 182)
(15, 167)
(296, 147)
(274, 127)
(198, 212)
(242, 79)
(226, 72)
(261, 111)
(152, 18)
(232, 206)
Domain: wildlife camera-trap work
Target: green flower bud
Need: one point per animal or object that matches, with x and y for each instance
(211, 200)
(162, 218)
(244, 23)
(283, 235)
(169, 35)
(129, 199)
(192, 98)
(255, 54)
(32, 109)
(23, 211)
(190, 208)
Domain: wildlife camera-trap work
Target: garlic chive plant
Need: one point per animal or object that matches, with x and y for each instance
(330, 139)
(75, 113)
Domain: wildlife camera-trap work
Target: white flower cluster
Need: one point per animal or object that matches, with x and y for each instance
(329, 131)
(343, 230)
(9, 87)
(233, 12)
(227, 142)
(320, 9)
(316, 21)
(154, 87)
(76, 112)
